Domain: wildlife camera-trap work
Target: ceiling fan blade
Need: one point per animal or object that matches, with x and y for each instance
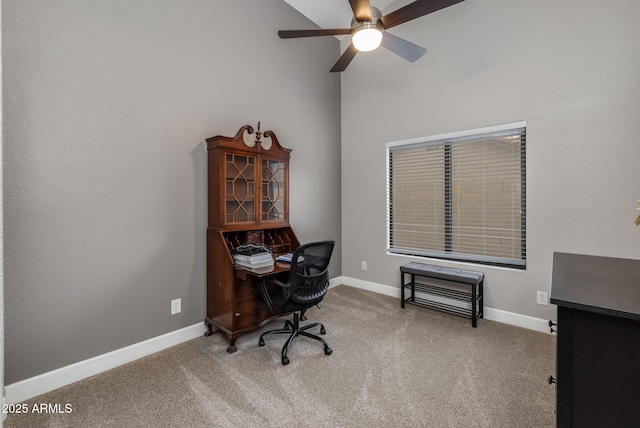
(402, 47)
(361, 10)
(414, 10)
(345, 59)
(293, 34)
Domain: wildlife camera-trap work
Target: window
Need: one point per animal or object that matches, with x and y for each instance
(460, 196)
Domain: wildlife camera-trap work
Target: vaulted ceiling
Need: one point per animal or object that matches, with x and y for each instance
(334, 13)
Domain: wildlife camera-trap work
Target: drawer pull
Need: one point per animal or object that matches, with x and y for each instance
(551, 324)
(551, 380)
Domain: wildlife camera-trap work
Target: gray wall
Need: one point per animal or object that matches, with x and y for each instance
(106, 105)
(1, 257)
(571, 69)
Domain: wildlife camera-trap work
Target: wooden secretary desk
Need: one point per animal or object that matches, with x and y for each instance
(248, 203)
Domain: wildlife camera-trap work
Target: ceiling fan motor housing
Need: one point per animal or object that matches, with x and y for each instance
(375, 17)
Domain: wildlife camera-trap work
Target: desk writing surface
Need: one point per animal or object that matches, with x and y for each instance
(605, 285)
(277, 267)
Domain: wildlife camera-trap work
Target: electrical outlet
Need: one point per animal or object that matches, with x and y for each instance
(364, 265)
(542, 298)
(176, 306)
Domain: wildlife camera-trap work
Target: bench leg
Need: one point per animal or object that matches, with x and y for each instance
(474, 306)
(413, 288)
(481, 298)
(402, 290)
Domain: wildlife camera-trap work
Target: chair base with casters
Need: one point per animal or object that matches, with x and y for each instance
(293, 329)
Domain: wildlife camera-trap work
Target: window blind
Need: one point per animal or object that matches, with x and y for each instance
(460, 197)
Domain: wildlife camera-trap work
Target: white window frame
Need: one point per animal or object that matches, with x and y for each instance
(440, 139)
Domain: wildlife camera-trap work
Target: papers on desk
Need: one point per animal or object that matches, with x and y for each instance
(254, 261)
(288, 258)
(285, 258)
(257, 271)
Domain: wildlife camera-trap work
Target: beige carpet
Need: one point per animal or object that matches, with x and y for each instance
(389, 368)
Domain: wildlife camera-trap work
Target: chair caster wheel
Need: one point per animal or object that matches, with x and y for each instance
(322, 330)
(327, 350)
(261, 342)
(285, 361)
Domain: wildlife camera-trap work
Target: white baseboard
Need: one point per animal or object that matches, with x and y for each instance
(491, 314)
(387, 290)
(32, 387)
(519, 320)
(335, 281)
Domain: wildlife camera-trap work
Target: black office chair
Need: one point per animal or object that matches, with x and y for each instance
(307, 285)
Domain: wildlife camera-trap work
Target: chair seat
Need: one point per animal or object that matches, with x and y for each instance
(291, 306)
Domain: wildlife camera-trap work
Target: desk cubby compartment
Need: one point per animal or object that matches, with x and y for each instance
(278, 240)
(440, 288)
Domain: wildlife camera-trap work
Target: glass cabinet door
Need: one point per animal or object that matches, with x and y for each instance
(240, 173)
(274, 175)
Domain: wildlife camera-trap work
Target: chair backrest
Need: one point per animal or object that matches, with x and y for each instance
(309, 275)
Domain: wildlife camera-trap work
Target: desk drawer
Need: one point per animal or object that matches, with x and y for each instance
(247, 320)
(247, 307)
(246, 292)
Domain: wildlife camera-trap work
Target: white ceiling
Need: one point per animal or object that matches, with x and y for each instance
(333, 13)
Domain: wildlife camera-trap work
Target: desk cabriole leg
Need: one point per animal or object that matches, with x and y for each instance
(209, 331)
(232, 345)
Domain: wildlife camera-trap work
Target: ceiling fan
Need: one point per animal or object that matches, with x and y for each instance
(368, 30)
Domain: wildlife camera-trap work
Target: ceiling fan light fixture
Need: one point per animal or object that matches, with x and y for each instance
(366, 37)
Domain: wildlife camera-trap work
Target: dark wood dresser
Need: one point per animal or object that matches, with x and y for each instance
(598, 343)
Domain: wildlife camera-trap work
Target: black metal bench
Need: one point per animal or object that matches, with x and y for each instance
(447, 286)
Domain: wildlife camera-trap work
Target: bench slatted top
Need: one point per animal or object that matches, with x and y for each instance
(440, 272)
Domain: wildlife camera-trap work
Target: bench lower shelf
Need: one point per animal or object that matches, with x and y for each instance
(472, 296)
(442, 307)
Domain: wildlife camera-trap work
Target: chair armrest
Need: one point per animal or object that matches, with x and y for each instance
(265, 293)
(278, 282)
